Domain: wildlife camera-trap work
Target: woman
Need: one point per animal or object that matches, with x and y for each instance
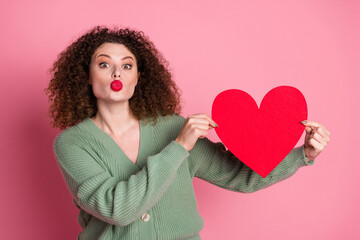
(127, 156)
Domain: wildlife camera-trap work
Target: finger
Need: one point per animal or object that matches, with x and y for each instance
(309, 136)
(312, 123)
(324, 134)
(316, 145)
(319, 131)
(197, 120)
(201, 126)
(205, 116)
(212, 122)
(320, 135)
(203, 134)
(308, 133)
(198, 115)
(319, 138)
(327, 131)
(308, 129)
(313, 129)
(316, 124)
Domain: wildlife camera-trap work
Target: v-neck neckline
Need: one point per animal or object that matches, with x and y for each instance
(109, 141)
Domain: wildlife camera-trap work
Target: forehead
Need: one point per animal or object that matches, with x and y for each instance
(113, 49)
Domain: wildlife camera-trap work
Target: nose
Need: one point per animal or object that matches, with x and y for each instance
(116, 73)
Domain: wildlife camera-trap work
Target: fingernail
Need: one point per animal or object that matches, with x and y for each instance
(303, 122)
(216, 124)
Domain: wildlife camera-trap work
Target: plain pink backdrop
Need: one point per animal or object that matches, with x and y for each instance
(211, 46)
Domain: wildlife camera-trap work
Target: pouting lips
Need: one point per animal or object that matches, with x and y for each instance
(116, 85)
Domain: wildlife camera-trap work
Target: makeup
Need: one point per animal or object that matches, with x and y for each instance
(116, 85)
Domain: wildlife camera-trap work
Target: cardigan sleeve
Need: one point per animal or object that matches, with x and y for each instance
(108, 198)
(213, 163)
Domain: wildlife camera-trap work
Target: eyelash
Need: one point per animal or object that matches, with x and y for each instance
(128, 65)
(101, 65)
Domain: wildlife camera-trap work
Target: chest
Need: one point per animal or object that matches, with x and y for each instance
(129, 142)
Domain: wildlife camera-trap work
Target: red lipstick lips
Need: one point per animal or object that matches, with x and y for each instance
(116, 85)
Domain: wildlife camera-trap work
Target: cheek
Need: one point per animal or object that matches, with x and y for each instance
(130, 81)
(98, 78)
(98, 74)
(96, 90)
(133, 85)
(99, 88)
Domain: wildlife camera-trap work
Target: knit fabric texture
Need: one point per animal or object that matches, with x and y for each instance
(113, 193)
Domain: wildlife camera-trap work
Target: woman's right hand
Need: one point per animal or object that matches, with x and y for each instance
(196, 126)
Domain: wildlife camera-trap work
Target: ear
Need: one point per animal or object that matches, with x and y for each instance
(89, 82)
(138, 75)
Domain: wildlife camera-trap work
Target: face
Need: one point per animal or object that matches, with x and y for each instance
(113, 61)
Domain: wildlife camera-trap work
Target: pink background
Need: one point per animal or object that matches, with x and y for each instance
(211, 46)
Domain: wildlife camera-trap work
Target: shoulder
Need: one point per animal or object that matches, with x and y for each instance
(70, 136)
(169, 121)
(173, 122)
(167, 128)
(172, 119)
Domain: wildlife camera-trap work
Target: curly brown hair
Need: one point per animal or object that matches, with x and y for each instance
(71, 97)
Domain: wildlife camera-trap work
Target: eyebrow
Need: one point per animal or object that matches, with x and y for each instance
(110, 57)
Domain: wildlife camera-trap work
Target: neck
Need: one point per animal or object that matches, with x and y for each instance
(114, 118)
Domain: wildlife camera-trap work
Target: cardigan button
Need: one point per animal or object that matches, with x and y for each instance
(145, 217)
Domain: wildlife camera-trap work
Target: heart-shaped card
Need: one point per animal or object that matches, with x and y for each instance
(260, 137)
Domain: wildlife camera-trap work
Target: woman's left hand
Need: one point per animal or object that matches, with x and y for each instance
(316, 139)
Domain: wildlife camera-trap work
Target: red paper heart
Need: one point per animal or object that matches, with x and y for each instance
(260, 138)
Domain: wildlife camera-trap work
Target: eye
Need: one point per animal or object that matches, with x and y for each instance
(127, 66)
(104, 65)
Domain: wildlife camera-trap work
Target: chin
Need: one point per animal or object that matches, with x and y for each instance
(120, 98)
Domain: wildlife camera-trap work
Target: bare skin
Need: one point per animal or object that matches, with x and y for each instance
(316, 139)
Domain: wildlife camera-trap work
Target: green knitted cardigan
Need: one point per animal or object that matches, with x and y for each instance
(154, 198)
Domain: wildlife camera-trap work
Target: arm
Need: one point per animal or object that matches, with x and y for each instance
(213, 163)
(108, 198)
